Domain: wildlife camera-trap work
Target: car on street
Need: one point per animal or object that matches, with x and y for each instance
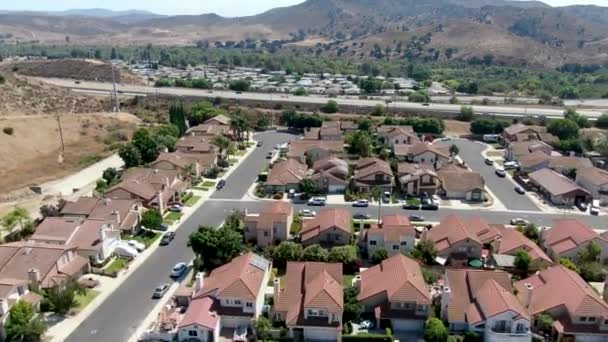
(416, 218)
(259, 144)
(308, 213)
(501, 173)
(520, 190)
(160, 290)
(489, 161)
(270, 155)
(361, 203)
(426, 104)
(362, 216)
(429, 206)
(163, 227)
(167, 238)
(220, 185)
(316, 201)
(510, 165)
(411, 206)
(178, 270)
(595, 207)
(519, 222)
(582, 206)
(140, 247)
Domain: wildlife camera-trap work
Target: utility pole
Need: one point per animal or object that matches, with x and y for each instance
(116, 104)
(62, 153)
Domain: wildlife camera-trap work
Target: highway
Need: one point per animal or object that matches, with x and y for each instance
(124, 89)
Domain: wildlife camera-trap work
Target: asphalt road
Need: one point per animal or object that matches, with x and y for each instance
(98, 87)
(117, 318)
(502, 188)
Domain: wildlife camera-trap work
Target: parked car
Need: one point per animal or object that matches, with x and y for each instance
(163, 227)
(178, 270)
(317, 201)
(510, 165)
(308, 213)
(520, 190)
(167, 238)
(259, 143)
(416, 218)
(411, 206)
(270, 155)
(595, 207)
(240, 334)
(176, 208)
(366, 324)
(361, 203)
(140, 247)
(582, 206)
(429, 206)
(489, 161)
(362, 216)
(160, 290)
(220, 185)
(519, 222)
(501, 173)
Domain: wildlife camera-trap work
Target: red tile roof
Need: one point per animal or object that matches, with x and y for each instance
(511, 241)
(286, 172)
(567, 234)
(555, 183)
(399, 278)
(453, 229)
(200, 313)
(327, 219)
(392, 227)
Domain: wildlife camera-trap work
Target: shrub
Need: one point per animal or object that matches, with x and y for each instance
(278, 196)
(2, 79)
(330, 107)
(8, 130)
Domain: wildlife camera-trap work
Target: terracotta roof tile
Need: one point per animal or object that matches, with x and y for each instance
(326, 219)
(593, 175)
(555, 183)
(449, 231)
(285, 172)
(511, 241)
(567, 234)
(200, 313)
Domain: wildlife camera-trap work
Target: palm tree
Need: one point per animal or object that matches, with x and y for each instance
(222, 143)
(17, 216)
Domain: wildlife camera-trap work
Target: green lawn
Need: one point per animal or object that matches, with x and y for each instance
(233, 161)
(173, 217)
(116, 265)
(147, 237)
(413, 201)
(192, 201)
(240, 152)
(347, 280)
(208, 184)
(84, 299)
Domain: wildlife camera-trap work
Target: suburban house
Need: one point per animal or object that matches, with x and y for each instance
(458, 182)
(313, 150)
(511, 241)
(195, 144)
(395, 292)
(373, 172)
(424, 153)
(521, 132)
(457, 238)
(125, 213)
(209, 130)
(331, 227)
(309, 299)
(331, 174)
(153, 187)
(330, 132)
(231, 296)
(42, 265)
(568, 237)
(483, 301)
(416, 179)
(518, 149)
(12, 291)
(563, 164)
(271, 225)
(285, 175)
(398, 135)
(578, 311)
(93, 239)
(594, 180)
(188, 164)
(218, 120)
(557, 188)
(395, 233)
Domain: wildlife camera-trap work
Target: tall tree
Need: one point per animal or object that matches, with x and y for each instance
(522, 262)
(63, 298)
(215, 247)
(177, 117)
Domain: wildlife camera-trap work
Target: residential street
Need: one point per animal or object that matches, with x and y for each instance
(119, 316)
(502, 188)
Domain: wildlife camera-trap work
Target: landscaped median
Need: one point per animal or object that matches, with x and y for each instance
(172, 217)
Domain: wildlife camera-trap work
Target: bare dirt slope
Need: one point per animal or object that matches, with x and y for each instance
(77, 69)
(30, 154)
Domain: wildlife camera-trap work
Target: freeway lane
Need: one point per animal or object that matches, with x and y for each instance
(313, 99)
(502, 188)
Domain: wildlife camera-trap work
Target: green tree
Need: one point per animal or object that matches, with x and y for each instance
(592, 271)
(435, 331)
(239, 85)
(330, 107)
(454, 150)
(591, 253)
(309, 188)
(471, 336)
(343, 254)
(569, 264)
(522, 261)
(146, 144)
(315, 253)
(300, 92)
(531, 232)
(286, 251)
(359, 143)
(16, 217)
(262, 123)
(215, 247)
(581, 120)
(466, 113)
(223, 144)
(63, 298)
(352, 308)
(111, 176)
(425, 251)
(234, 221)
(602, 121)
(130, 155)
(544, 322)
(151, 219)
(569, 92)
(487, 126)
(365, 124)
(263, 326)
(379, 110)
(379, 255)
(177, 117)
(23, 325)
(419, 97)
(564, 129)
(202, 111)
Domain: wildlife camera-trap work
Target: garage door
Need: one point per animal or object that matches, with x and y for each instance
(591, 338)
(407, 324)
(312, 334)
(336, 189)
(234, 322)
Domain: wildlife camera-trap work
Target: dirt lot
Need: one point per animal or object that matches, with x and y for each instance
(456, 128)
(29, 154)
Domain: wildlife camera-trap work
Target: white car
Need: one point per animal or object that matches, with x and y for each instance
(510, 165)
(126, 251)
(317, 201)
(307, 213)
(140, 247)
(519, 222)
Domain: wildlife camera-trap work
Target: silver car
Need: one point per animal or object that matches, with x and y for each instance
(160, 290)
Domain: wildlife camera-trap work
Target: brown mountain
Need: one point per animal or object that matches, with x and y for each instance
(511, 32)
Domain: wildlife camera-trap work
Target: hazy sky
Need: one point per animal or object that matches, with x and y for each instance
(222, 7)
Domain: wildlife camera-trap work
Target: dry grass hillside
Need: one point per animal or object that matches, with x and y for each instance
(77, 69)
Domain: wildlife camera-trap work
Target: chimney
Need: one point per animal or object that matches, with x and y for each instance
(199, 282)
(161, 202)
(115, 216)
(33, 274)
(529, 289)
(357, 282)
(277, 289)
